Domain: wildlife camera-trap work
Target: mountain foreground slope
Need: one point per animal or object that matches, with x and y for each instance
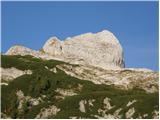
(81, 77)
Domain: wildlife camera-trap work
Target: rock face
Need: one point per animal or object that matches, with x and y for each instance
(21, 50)
(101, 49)
(9, 74)
(53, 46)
(124, 78)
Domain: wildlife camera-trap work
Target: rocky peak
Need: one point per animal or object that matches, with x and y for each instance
(52, 46)
(21, 50)
(100, 49)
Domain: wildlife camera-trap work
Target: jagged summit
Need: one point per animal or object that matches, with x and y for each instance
(100, 49)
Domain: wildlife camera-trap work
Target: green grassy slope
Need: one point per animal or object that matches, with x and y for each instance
(44, 82)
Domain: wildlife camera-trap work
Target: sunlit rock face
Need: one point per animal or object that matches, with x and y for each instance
(21, 50)
(53, 46)
(101, 49)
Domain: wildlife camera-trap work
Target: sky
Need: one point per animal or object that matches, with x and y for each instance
(135, 24)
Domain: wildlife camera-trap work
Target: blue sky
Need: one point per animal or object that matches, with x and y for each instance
(135, 24)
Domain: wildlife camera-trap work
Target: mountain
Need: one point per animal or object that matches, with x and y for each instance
(101, 49)
(81, 77)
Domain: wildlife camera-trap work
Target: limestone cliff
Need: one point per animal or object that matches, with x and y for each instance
(101, 49)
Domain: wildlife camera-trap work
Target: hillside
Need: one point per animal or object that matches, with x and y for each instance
(80, 77)
(47, 89)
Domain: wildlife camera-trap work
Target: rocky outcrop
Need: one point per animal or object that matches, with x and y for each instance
(8, 74)
(21, 50)
(65, 92)
(82, 105)
(131, 102)
(130, 113)
(121, 78)
(26, 100)
(53, 46)
(101, 49)
(102, 112)
(48, 112)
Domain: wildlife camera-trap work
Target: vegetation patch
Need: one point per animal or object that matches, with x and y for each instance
(44, 82)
